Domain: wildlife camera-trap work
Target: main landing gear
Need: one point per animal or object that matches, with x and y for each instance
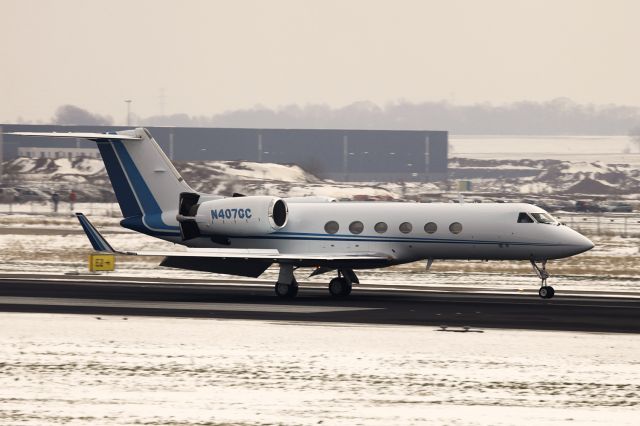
(340, 286)
(286, 286)
(287, 291)
(546, 291)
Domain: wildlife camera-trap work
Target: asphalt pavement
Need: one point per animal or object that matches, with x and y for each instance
(448, 310)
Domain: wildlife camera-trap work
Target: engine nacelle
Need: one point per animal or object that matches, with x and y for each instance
(240, 216)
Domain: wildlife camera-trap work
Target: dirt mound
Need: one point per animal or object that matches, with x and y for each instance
(588, 186)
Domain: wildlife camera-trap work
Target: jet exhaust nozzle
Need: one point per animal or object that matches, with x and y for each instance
(187, 210)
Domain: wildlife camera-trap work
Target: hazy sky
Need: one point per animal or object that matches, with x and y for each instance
(211, 56)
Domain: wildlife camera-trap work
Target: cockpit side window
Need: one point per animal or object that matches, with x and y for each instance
(524, 218)
(543, 218)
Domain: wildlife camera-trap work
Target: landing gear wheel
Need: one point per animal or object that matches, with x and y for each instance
(339, 287)
(347, 289)
(546, 292)
(287, 291)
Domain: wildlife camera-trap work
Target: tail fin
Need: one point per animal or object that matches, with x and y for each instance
(97, 240)
(145, 182)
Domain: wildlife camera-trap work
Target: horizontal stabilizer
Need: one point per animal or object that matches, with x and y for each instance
(79, 135)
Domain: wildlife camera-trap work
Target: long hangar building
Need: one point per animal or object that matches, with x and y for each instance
(340, 155)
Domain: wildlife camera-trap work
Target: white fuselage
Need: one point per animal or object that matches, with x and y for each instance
(489, 231)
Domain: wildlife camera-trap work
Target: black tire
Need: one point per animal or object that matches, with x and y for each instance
(552, 292)
(347, 289)
(287, 291)
(544, 292)
(293, 290)
(282, 289)
(337, 287)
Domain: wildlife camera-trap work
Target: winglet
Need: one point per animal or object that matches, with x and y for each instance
(97, 240)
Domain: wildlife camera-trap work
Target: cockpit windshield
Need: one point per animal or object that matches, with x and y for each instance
(524, 218)
(543, 218)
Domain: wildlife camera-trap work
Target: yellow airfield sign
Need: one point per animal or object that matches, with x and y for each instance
(102, 262)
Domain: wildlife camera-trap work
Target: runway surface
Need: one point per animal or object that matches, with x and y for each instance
(454, 311)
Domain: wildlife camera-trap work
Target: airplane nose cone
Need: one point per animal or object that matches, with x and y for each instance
(583, 243)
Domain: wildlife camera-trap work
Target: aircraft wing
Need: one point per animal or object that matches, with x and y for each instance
(246, 262)
(274, 255)
(79, 135)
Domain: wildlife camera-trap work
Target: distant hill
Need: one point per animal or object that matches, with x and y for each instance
(512, 179)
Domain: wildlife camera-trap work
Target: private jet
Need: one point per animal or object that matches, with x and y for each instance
(244, 235)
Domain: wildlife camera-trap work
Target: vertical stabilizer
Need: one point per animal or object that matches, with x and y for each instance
(145, 182)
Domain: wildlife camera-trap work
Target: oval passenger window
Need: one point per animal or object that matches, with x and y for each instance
(381, 227)
(430, 228)
(331, 227)
(356, 227)
(405, 227)
(455, 227)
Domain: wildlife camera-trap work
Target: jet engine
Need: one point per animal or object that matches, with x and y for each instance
(229, 217)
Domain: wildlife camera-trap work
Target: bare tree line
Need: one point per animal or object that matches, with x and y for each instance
(558, 116)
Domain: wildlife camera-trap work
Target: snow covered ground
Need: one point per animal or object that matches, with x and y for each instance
(74, 369)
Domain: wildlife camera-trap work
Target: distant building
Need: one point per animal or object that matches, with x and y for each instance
(341, 155)
(54, 152)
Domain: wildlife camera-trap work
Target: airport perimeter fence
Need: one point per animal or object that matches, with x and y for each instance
(64, 208)
(616, 224)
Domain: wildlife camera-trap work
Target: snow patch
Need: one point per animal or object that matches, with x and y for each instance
(109, 370)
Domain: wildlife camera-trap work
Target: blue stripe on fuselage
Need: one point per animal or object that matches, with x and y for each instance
(380, 239)
(135, 223)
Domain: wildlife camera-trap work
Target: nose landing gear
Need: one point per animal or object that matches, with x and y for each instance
(339, 287)
(546, 291)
